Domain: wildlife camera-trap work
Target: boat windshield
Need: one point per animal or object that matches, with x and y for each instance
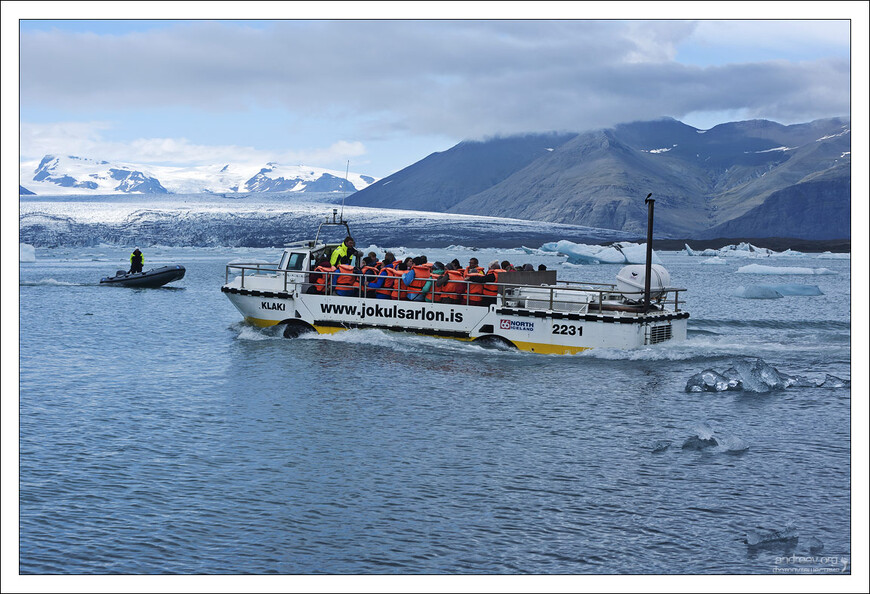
(292, 261)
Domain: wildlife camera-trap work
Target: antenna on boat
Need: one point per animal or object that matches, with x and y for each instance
(649, 238)
(346, 171)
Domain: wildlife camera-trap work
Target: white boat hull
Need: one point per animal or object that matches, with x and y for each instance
(534, 330)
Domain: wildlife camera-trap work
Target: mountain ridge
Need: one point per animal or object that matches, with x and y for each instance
(701, 179)
(59, 175)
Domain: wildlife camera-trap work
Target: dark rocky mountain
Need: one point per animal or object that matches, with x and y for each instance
(817, 208)
(704, 181)
(441, 180)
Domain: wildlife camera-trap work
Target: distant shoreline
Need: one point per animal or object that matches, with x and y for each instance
(777, 244)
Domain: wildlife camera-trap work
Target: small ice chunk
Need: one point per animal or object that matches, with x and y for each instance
(26, 253)
(696, 442)
(735, 382)
(761, 377)
(832, 381)
(764, 536)
(660, 446)
(710, 381)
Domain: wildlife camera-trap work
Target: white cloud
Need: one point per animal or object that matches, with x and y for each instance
(461, 78)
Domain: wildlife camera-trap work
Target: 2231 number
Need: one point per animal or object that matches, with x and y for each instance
(568, 329)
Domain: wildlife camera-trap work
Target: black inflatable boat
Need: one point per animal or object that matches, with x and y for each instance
(156, 277)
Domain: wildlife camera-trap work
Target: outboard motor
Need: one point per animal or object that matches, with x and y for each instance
(630, 281)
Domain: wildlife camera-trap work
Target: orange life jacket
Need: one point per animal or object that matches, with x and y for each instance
(475, 290)
(370, 271)
(490, 289)
(319, 280)
(468, 271)
(454, 287)
(391, 283)
(422, 273)
(344, 281)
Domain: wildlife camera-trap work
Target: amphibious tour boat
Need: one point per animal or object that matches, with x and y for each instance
(528, 310)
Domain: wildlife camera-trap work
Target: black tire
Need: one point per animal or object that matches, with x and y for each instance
(295, 328)
(493, 341)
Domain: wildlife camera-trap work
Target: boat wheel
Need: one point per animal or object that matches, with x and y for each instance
(295, 328)
(495, 342)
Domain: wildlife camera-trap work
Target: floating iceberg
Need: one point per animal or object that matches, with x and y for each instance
(789, 290)
(705, 437)
(757, 292)
(763, 537)
(741, 250)
(618, 253)
(759, 269)
(832, 381)
(749, 375)
(776, 291)
(698, 443)
(712, 381)
(26, 253)
(835, 256)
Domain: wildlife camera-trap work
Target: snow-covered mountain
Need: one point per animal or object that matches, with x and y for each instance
(65, 175)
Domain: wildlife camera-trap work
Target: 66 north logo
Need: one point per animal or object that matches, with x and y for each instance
(517, 325)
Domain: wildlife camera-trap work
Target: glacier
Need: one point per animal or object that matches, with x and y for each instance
(266, 220)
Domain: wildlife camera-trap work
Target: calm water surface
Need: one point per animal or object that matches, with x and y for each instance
(159, 434)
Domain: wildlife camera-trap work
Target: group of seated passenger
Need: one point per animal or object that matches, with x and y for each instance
(411, 279)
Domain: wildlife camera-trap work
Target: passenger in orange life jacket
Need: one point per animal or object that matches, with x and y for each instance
(404, 276)
(449, 287)
(346, 285)
(426, 279)
(382, 286)
(433, 290)
(415, 279)
(473, 267)
(488, 290)
(389, 259)
(320, 278)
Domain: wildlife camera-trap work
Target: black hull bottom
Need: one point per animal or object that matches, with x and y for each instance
(156, 277)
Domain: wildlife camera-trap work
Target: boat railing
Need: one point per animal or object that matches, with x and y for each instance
(250, 269)
(571, 296)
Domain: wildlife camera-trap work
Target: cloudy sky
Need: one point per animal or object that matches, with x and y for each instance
(385, 93)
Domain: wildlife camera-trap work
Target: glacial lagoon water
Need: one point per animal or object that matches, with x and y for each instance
(161, 435)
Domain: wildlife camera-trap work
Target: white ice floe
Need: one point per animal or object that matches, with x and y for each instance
(832, 256)
(26, 253)
(777, 291)
(757, 292)
(622, 252)
(714, 260)
(759, 269)
(741, 250)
